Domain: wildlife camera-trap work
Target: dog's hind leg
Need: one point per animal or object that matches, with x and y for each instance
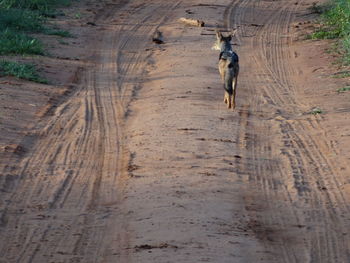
(233, 97)
(226, 97)
(228, 88)
(229, 104)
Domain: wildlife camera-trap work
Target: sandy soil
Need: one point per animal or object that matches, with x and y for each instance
(132, 156)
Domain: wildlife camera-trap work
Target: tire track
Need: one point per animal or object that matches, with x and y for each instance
(295, 184)
(75, 178)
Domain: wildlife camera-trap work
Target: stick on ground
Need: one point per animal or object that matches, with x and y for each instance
(192, 22)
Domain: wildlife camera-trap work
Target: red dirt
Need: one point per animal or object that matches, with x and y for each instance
(132, 156)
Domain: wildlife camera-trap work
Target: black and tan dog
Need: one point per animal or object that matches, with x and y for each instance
(228, 66)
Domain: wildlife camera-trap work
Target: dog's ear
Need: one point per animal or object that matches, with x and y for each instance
(233, 31)
(218, 34)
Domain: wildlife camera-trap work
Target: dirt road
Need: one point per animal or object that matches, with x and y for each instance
(142, 162)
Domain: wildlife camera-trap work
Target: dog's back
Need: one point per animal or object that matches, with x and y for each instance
(228, 67)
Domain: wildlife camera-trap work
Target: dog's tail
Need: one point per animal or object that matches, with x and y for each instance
(228, 80)
(228, 87)
(231, 72)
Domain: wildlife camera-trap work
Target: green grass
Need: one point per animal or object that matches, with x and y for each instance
(27, 21)
(339, 75)
(15, 24)
(335, 20)
(20, 18)
(77, 16)
(335, 24)
(319, 9)
(58, 32)
(37, 5)
(316, 111)
(20, 70)
(344, 89)
(16, 43)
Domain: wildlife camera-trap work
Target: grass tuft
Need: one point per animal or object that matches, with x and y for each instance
(344, 89)
(316, 111)
(16, 43)
(58, 32)
(335, 25)
(37, 5)
(21, 70)
(319, 8)
(343, 74)
(21, 20)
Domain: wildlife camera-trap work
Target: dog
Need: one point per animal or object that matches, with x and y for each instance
(228, 66)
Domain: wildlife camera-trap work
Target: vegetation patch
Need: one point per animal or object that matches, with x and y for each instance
(12, 42)
(20, 18)
(21, 70)
(343, 89)
(316, 111)
(319, 9)
(58, 32)
(343, 74)
(334, 24)
(43, 6)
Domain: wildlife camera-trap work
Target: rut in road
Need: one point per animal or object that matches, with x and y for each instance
(73, 180)
(298, 186)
